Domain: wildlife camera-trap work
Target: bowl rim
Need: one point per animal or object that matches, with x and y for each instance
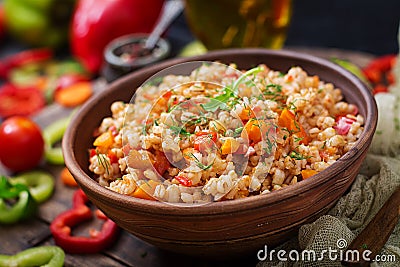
(237, 205)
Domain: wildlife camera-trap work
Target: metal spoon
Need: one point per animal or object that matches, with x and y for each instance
(170, 10)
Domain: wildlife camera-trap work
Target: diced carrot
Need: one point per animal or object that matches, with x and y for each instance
(146, 190)
(230, 146)
(187, 153)
(105, 140)
(308, 173)
(67, 178)
(288, 120)
(254, 130)
(74, 95)
(246, 114)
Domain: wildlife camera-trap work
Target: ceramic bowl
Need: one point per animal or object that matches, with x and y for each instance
(228, 228)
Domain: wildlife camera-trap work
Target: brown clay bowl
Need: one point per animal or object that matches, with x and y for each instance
(229, 228)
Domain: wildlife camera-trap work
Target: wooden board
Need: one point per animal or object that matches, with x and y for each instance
(127, 250)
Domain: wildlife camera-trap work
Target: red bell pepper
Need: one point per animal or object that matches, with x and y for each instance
(379, 73)
(80, 212)
(96, 22)
(20, 101)
(184, 181)
(23, 58)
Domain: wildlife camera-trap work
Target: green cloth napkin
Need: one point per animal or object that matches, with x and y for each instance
(378, 178)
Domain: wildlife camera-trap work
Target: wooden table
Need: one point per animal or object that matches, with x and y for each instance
(127, 250)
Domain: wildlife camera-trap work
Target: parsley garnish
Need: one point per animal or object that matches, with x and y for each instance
(179, 130)
(219, 102)
(101, 158)
(297, 155)
(200, 164)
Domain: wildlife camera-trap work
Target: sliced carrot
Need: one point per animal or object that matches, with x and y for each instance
(308, 173)
(67, 178)
(146, 190)
(74, 95)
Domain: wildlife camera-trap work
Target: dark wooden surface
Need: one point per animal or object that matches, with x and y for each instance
(127, 250)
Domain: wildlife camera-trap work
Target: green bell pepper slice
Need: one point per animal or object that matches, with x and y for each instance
(40, 184)
(11, 210)
(49, 256)
(51, 135)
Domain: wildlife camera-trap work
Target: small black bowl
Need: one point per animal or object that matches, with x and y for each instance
(126, 54)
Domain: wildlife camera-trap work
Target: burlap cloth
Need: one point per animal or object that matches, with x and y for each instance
(379, 176)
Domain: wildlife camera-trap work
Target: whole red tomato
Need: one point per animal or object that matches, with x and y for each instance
(96, 22)
(22, 144)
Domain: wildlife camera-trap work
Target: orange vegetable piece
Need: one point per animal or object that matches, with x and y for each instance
(105, 140)
(230, 146)
(74, 95)
(288, 120)
(254, 130)
(146, 190)
(308, 173)
(246, 114)
(67, 178)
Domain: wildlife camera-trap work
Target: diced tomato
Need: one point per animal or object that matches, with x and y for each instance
(161, 163)
(17, 101)
(204, 140)
(113, 158)
(92, 152)
(183, 181)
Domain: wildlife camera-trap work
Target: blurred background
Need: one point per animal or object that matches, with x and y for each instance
(74, 37)
(362, 25)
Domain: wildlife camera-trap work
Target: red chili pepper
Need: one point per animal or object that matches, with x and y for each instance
(80, 212)
(23, 58)
(204, 140)
(184, 181)
(20, 101)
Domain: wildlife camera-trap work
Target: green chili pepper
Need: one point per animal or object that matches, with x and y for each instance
(40, 184)
(49, 256)
(12, 210)
(52, 134)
